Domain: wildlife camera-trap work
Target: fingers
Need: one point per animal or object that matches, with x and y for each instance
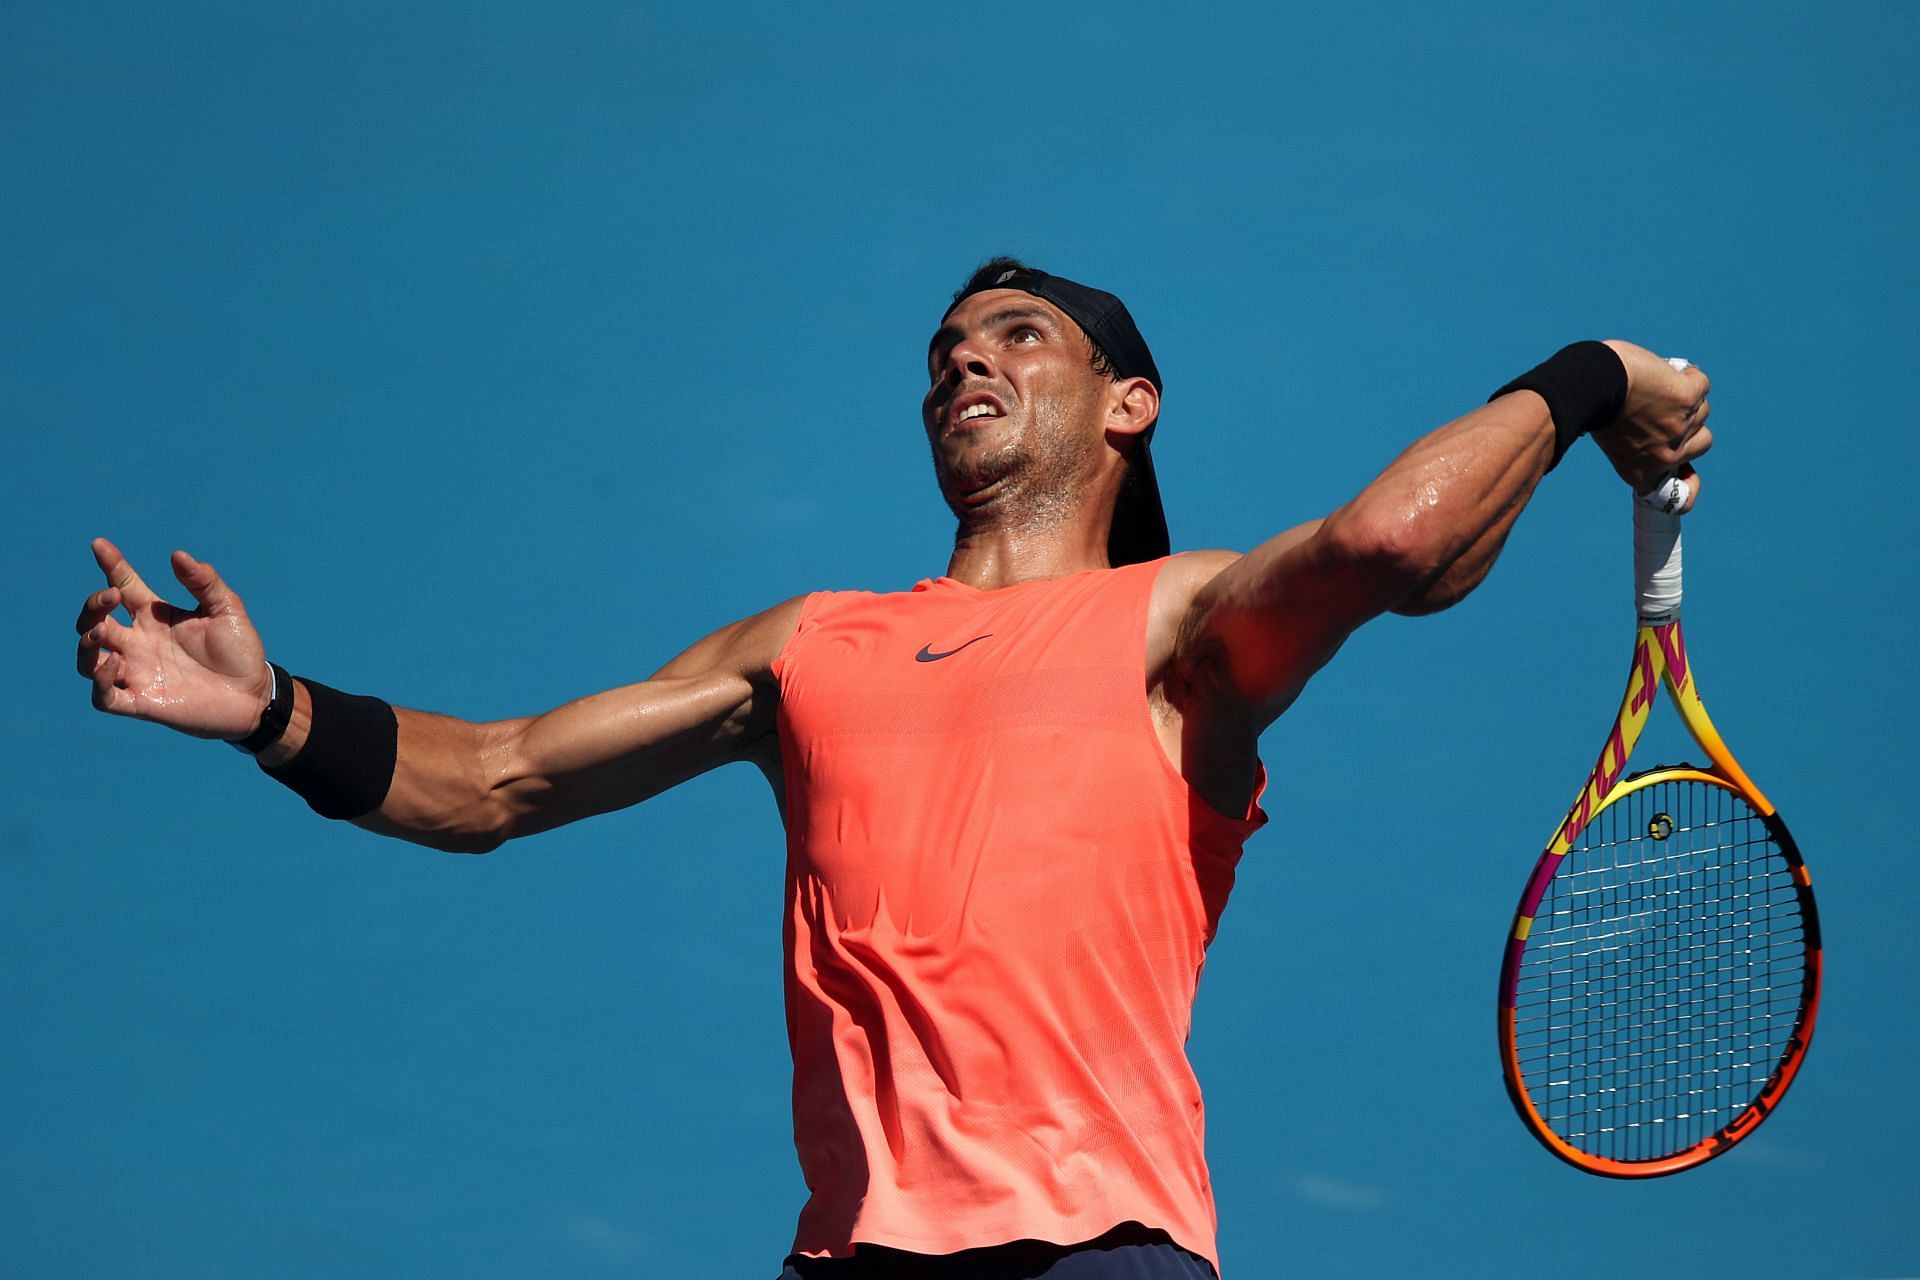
(103, 658)
(1701, 442)
(99, 605)
(99, 661)
(206, 585)
(110, 634)
(1692, 478)
(1693, 381)
(134, 593)
(1646, 469)
(1694, 420)
(1674, 399)
(1680, 403)
(87, 657)
(1692, 440)
(105, 635)
(1698, 443)
(110, 692)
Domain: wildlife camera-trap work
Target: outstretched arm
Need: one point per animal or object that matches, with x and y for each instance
(1417, 539)
(468, 787)
(456, 785)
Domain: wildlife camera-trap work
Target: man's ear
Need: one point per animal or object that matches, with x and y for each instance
(1134, 409)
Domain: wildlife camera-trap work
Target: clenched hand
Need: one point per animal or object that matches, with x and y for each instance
(1664, 426)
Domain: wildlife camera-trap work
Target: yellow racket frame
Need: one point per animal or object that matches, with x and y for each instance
(1659, 658)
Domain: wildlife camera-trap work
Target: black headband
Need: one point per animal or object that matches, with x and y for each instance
(1104, 318)
(1139, 530)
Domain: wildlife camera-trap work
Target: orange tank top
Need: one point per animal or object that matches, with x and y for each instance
(999, 898)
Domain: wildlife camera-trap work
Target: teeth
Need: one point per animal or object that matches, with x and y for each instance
(977, 411)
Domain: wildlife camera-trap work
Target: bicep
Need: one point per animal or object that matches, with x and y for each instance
(491, 782)
(1260, 627)
(708, 706)
(1418, 537)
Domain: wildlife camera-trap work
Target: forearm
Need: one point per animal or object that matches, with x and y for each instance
(1582, 388)
(467, 787)
(442, 792)
(450, 788)
(1440, 513)
(1467, 571)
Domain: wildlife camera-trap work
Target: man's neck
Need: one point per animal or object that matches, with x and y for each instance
(991, 559)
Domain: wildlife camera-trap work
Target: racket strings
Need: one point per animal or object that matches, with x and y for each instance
(1663, 974)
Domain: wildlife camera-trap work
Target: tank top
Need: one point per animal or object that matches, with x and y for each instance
(1000, 894)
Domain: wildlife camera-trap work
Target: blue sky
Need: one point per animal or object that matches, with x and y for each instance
(494, 353)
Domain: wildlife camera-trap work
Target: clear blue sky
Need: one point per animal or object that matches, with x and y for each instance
(495, 352)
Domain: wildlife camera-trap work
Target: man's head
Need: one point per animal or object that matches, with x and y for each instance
(1042, 391)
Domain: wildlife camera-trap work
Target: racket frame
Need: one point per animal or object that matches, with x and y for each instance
(1659, 659)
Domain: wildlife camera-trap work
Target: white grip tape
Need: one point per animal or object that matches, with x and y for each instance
(1656, 563)
(1656, 542)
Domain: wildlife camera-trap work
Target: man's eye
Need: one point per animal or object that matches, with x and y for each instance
(1025, 333)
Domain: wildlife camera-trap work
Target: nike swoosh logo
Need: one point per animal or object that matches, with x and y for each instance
(927, 654)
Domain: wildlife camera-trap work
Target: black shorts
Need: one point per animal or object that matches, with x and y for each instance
(1128, 1252)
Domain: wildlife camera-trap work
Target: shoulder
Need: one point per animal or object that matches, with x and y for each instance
(748, 647)
(1182, 576)
(1181, 579)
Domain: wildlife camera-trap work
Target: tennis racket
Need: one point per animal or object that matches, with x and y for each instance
(1663, 971)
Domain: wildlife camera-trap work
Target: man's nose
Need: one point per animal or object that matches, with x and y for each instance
(967, 358)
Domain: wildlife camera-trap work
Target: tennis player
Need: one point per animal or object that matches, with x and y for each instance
(1014, 795)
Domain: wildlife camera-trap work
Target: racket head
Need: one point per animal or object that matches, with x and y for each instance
(1661, 982)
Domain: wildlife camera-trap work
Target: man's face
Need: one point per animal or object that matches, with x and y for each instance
(1013, 398)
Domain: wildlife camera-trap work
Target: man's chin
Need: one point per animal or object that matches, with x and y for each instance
(974, 489)
(975, 475)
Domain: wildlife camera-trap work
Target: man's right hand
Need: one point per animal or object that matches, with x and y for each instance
(201, 671)
(1663, 428)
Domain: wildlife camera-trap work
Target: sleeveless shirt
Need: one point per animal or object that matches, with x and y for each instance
(999, 897)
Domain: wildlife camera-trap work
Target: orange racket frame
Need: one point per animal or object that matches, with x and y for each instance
(1659, 658)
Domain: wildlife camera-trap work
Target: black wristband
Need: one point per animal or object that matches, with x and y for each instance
(1585, 387)
(273, 721)
(345, 766)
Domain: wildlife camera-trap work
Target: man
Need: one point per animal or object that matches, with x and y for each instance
(1014, 796)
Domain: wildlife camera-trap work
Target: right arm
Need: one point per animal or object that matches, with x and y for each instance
(458, 786)
(1415, 540)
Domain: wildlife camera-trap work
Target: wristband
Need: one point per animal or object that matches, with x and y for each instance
(273, 721)
(1585, 387)
(345, 767)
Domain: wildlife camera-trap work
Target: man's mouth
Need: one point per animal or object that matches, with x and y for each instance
(972, 407)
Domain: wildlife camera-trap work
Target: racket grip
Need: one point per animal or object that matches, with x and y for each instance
(1656, 563)
(1656, 545)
